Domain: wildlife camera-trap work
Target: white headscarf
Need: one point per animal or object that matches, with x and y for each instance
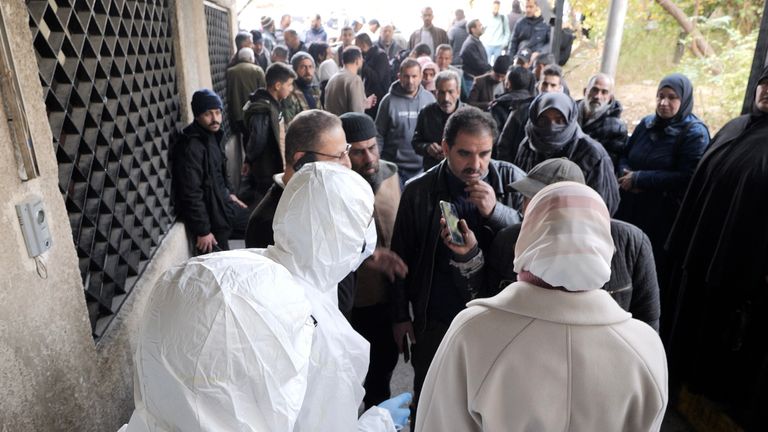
(566, 239)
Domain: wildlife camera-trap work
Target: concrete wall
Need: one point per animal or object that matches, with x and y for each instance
(52, 374)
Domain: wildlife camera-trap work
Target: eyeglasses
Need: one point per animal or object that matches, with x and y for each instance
(338, 156)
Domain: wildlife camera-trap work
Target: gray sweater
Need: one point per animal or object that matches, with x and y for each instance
(396, 122)
(344, 93)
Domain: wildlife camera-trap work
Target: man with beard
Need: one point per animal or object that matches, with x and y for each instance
(530, 32)
(444, 59)
(511, 111)
(260, 51)
(370, 316)
(428, 34)
(205, 201)
(316, 32)
(435, 286)
(387, 43)
(306, 94)
(431, 122)
(375, 71)
(396, 120)
(293, 42)
(600, 116)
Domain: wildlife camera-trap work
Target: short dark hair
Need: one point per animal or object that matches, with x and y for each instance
(279, 73)
(544, 59)
(346, 28)
(443, 47)
(280, 51)
(468, 119)
(318, 50)
(553, 70)
(256, 36)
(421, 50)
(409, 63)
(364, 38)
(305, 130)
(241, 37)
(351, 54)
(374, 21)
(520, 78)
(291, 32)
(472, 24)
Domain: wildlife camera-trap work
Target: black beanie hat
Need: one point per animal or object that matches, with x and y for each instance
(357, 127)
(501, 64)
(204, 100)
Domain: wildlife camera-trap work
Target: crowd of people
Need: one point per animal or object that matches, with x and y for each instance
(581, 248)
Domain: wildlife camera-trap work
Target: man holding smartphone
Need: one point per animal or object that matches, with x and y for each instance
(435, 287)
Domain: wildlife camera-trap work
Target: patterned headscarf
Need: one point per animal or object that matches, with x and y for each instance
(566, 239)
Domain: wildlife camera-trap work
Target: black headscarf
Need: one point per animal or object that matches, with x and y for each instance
(552, 139)
(756, 113)
(682, 86)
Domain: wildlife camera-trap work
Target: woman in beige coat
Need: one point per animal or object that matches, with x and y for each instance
(552, 352)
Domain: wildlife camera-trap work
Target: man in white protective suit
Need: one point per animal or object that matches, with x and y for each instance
(253, 340)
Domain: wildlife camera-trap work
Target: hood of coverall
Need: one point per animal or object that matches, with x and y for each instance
(324, 225)
(224, 345)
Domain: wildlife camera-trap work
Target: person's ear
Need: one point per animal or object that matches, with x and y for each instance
(444, 145)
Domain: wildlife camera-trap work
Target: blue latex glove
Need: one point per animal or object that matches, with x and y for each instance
(399, 415)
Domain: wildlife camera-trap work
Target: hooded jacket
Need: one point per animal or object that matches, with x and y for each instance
(608, 129)
(396, 123)
(531, 33)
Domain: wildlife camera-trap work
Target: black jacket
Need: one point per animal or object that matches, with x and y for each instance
(510, 111)
(531, 33)
(429, 129)
(262, 116)
(376, 74)
(633, 281)
(417, 233)
(608, 129)
(474, 57)
(590, 156)
(200, 184)
(457, 34)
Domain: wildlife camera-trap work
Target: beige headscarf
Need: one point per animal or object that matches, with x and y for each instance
(566, 239)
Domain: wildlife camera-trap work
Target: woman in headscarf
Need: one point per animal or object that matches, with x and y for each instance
(552, 131)
(552, 351)
(658, 162)
(716, 314)
(428, 72)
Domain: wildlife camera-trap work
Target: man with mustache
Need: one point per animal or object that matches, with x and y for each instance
(600, 116)
(431, 122)
(436, 286)
(205, 201)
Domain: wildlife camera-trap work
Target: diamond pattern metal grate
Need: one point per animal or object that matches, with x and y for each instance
(219, 53)
(109, 82)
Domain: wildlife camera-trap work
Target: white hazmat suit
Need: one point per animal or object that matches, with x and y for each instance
(253, 340)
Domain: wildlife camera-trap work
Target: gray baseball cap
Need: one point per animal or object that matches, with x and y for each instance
(548, 172)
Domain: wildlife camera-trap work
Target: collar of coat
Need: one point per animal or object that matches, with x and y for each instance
(594, 307)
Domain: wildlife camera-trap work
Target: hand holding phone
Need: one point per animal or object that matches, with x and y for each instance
(452, 221)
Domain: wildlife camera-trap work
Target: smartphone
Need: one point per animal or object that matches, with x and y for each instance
(452, 220)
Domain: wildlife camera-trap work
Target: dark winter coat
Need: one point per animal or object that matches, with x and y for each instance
(201, 188)
(530, 33)
(376, 74)
(429, 129)
(663, 159)
(633, 281)
(417, 229)
(590, 156)
(511, 112)
(608, 129)
(484, 90)
(474, 58)
(456, 37)
(262, 117)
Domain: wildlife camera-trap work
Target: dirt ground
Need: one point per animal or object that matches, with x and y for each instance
(637, 97)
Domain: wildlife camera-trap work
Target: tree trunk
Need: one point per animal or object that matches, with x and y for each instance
(699, 45)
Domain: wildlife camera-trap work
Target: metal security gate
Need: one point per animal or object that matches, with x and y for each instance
(220, 41)
(109, 82)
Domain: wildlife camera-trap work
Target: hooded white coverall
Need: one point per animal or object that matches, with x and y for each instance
(253, 340)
